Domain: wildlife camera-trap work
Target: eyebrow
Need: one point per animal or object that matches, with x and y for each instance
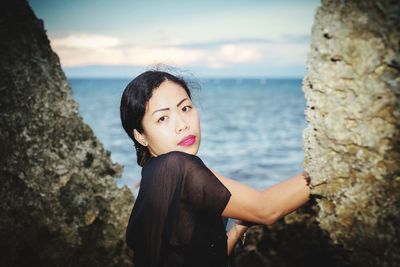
(163, 109)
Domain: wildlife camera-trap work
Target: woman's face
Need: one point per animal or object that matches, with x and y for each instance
(170, 122)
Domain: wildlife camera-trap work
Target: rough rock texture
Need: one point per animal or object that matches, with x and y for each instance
(352, 142)
(295, 241)
(352, 145)
(60, 205)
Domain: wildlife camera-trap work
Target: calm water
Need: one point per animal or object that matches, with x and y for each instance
(251, 128)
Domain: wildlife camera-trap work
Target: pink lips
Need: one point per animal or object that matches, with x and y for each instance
(188, 140)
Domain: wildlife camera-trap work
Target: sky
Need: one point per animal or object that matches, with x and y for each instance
(207, 38)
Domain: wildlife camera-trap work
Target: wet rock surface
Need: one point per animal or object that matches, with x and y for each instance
(352, 145)
(60, 205)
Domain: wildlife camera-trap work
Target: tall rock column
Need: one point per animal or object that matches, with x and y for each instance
(60, 205)
(352, 142)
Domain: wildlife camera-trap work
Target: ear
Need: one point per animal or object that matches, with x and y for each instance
(139, 137)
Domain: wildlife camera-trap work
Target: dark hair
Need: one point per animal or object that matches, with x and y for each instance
(133, 104)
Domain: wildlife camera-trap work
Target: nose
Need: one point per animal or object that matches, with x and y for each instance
(181, 124)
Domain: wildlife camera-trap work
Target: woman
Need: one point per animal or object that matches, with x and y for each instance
(176, 219)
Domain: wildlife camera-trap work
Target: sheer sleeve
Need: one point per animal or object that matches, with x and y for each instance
(202, 188)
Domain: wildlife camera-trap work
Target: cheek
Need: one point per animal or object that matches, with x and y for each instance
(159, 136)
(196, 119)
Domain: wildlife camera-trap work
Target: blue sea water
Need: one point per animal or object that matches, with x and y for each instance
(251, 128)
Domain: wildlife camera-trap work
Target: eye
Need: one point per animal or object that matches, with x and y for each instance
(161, 119)
(186, 108)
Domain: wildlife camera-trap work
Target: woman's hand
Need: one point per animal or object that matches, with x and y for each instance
(237, 233)
(307, 178)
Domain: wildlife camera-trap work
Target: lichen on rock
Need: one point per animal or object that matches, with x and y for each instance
(60, 205)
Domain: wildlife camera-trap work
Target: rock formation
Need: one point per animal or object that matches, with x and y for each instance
(60, 205)
(352, 142)
(352, 146)
(294, 241)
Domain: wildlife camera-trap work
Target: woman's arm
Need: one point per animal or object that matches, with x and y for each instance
(267, 206)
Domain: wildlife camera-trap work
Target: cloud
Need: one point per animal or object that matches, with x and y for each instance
(142, 56)
(240, 54)
(85, 49)
(81, 49)
(83, 40)
(230, 54)
(217, 43)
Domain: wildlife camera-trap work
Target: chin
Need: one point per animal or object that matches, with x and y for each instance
(190, 150)
(195, 150)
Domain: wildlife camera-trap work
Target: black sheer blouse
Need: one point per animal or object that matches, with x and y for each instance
(176, 219)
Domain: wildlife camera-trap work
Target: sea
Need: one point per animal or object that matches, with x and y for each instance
(251, 128)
